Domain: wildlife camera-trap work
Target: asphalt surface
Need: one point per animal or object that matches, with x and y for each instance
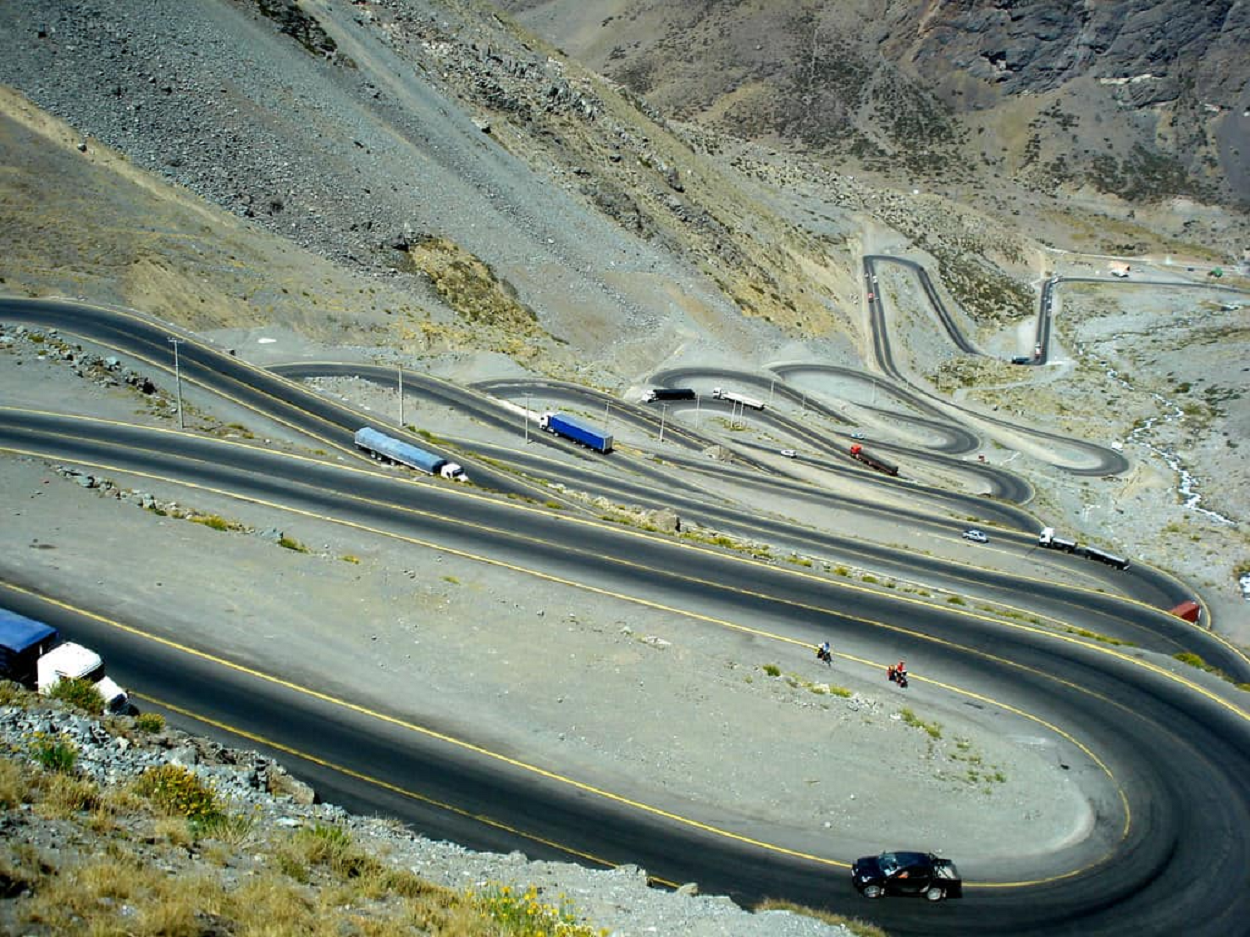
(1103, 461)
(1168, 853)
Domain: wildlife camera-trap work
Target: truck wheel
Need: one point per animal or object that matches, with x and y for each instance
(873, 891)
(934, 893)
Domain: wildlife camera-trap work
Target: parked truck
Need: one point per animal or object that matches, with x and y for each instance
(669, 393)
(861, 454)
(33, 654)
(381, 446)
(570, 427)
(734, 397)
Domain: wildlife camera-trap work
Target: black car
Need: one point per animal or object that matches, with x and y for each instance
(907, 873)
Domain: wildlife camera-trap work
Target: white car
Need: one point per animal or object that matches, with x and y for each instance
(976, 536)
(789, 453)
(857, 435)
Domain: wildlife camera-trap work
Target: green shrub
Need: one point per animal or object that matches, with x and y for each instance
(79, 693)
(57, 754)
(772, 670)
(179, 792)
(524, 914)
(1193, 660)
(1095, 636)
(150, 722)
(290, 543)
(331, 848)
(213, 521)
(934, 729)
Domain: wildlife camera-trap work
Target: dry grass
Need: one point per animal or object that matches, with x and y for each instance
(63, 796)
(13, 786)
(133, 862)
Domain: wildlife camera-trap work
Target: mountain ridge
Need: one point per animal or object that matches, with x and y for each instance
(1156, 89)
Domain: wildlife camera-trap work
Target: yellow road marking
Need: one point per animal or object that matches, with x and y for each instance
(419, 730)
(370, 779)
(689, 614)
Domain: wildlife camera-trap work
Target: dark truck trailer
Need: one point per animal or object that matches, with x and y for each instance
(1102, 556)
(861, 454)
(570, 427)
(670, 393)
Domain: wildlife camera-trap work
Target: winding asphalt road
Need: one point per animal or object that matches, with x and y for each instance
(1102, 460)
(1165, 750)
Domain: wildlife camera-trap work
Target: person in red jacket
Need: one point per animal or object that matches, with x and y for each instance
(898, 673)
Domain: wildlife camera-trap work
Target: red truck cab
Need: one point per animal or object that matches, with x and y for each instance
(1188, 610)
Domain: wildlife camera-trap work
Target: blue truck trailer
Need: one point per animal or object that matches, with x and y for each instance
(577, 430)
(382, 446)
(22, 642)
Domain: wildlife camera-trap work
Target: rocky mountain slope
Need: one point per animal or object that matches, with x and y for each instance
(1138, 99)
(434, 139)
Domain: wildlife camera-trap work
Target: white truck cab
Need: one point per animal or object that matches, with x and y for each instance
(71, 661)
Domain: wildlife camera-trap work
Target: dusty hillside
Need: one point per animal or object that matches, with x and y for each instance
(1135, 98)
(435, 121)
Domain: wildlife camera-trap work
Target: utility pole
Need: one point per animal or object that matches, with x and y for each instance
(771, 385)
(527, 419)
(803, 412)
(178, 381)
(606, 405)
(400, 370)
(663, 412)
(697, 398)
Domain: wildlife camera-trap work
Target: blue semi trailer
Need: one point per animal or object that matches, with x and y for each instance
(382, 446)
(577, 430)
(22, 642)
